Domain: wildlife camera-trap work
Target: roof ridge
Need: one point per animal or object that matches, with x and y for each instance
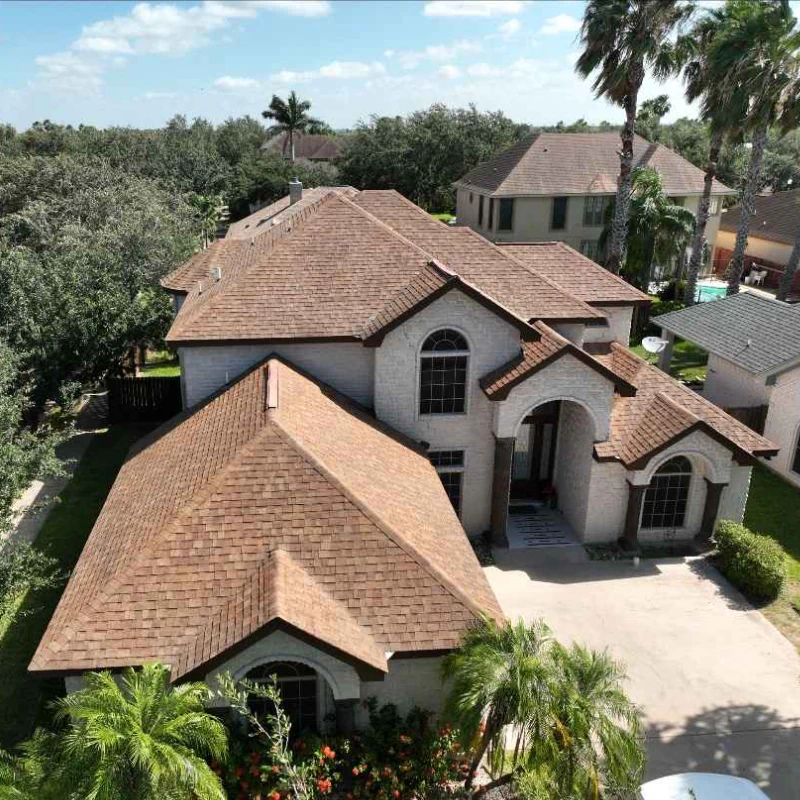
(330, 474)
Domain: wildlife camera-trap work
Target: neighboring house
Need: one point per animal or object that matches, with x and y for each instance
(773, 231)
(753, 346)
(363, 387)
(557, 186)
(307, 146)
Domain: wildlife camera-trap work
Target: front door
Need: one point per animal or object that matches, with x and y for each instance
(534, 453)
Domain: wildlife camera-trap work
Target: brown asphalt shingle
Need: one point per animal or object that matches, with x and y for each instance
(575, 273)
(188, 535)
(776, 218)
(579, 163)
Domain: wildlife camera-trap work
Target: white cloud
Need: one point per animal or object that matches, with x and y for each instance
(229, 82)
(68, 72)
(437, 52)
(297, 8)
(510, 28)
(103, 44)
(159, 95)
(341, 70)
(449, 72)
(484, 70)
(561, 23)
(474, 8)
(388, 53)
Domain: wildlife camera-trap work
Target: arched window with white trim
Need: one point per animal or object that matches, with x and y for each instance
(443, 373)
(298, 685)
(667, 495)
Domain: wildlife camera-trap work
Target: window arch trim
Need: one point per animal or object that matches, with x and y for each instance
(443, 366)
(666, 498)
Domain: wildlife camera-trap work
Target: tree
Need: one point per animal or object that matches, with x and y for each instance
(499, 676)
(621, 39)
(752, 55)
(208, 211)
(787, 279)
(291, 116)
(648, 118)
(658, 230)
(137, 739)
(724, 112)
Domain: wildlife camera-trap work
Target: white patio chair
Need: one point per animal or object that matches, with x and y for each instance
(758, 278)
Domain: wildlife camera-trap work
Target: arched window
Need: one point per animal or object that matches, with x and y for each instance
(297, 684)
(667, 494)
(443, 373)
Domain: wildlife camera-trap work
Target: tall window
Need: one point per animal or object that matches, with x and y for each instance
(297, 684)
(491, 213)
(713, 206)
(443, 373)
(480, 210)
(450, 466)
(594, 210)
(666, 496)
(590, 248)
(558, 216)
(505, 221)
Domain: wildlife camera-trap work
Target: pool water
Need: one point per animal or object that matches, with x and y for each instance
(709, 291)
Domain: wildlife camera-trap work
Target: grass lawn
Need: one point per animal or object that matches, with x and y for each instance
(688, 361)
(161, 364)
(444, 217)
(23, 699)
(773, 508)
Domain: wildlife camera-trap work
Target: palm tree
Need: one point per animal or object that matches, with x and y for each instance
(498, 677)
(141, 738)
(658, 229)
(291, 116)
(595, 744)
(753, 55)
(621, 39)
(209, 209)
(724, 112)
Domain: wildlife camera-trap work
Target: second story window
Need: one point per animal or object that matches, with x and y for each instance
(443, 373)
(491, 213)
(505, 221)
(558, 216)
(713, 205)
(480, 209)
(594, 211)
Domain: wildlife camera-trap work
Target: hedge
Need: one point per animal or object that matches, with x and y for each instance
(753, 563)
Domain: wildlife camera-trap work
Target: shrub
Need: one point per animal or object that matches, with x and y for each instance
(24, 567)
(753, 563)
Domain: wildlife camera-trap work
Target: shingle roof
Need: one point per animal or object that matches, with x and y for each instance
(214, 520)
(776, 217)
(536, 355)
(661, 411)
(579, 163)
(332, 267)
(575, 273)
(754, 332)
(313, 146)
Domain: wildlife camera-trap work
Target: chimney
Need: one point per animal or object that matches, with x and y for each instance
(295, 191)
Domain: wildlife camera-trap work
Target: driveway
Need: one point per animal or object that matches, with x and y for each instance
(719, 686)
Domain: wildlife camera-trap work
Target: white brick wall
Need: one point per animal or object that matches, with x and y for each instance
(607, 502)
(783, 423)
(347, 366)
(492, 342)
(619, 326)
(574, 464)
(729, 385)
(734, 496)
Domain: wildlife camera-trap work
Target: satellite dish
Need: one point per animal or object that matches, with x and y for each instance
(653, 344)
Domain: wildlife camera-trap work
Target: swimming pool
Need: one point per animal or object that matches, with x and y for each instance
(709, 290)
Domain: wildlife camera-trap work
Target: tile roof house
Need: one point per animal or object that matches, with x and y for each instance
(773, 232)
(308, 146)
(363, 388)
(753, 346)
(558, 185)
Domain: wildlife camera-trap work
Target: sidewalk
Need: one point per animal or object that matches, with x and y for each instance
(32, 508)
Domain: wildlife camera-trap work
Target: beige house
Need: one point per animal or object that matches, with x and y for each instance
(365, 387)
(556, 186)
(773, 232)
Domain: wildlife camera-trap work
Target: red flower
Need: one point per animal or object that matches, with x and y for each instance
(275, 796)
(275, 769)
(396, 793)
(328, 753)
(355, 770)
(324, 785)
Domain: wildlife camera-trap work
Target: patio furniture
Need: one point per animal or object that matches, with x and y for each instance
(757, 277)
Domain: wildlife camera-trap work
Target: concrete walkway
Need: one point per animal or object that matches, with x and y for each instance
(719, 685)
(33, 507)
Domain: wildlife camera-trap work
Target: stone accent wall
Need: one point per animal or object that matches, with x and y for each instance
(347, 366)
(492, 343)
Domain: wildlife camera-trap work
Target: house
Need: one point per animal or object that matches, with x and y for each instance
(773, 233)
(308, 146)
(558, 186)
(753, 345)
(363, 387)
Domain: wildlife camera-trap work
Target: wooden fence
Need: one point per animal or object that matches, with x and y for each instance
(754, 417)
(143, 399)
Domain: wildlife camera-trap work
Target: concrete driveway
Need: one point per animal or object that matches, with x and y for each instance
(719, 686)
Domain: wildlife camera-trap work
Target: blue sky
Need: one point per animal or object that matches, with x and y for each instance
(107, 63)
